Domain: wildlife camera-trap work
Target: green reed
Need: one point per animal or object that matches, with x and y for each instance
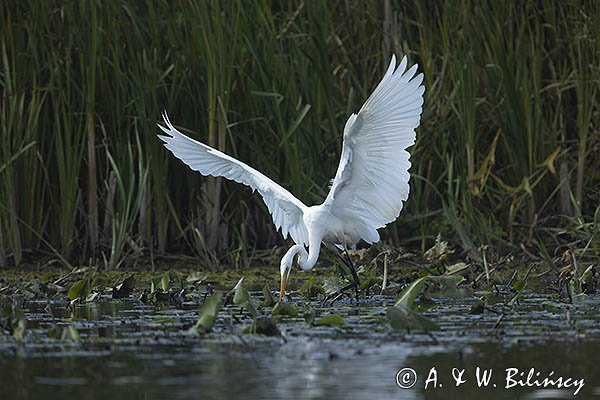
(506, 152)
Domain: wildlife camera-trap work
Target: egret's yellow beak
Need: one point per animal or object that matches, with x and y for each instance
(282, 288)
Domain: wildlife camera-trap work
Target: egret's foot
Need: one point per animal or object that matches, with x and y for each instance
(335, 296)
(332, 298)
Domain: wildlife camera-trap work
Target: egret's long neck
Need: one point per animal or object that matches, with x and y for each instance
(314, 249)
(288, 259)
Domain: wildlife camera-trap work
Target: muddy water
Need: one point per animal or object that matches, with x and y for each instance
(130, 350)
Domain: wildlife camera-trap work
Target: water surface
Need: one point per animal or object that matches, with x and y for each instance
(128, 350)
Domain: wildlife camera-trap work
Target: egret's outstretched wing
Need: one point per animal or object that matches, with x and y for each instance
(371, 182)
(287, 211)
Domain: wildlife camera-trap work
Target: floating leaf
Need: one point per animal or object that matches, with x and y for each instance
(269, 300)
(330, 320)
(164, 282)
(408, 295)
(309, 315)
(208, 313)
(285, 309)
(243, 299)
(160, 282)
(70, 333)
(448, 282)
(164, 320)
(65, 333)
(552, 307)
(80, 290)
(263, 326)
(412, 291)
(397, 317)
(196, 277)
(155, 284)
(519, 286)
(403, 318)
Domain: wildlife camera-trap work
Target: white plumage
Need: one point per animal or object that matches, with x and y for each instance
(286, 210)
(370, 185)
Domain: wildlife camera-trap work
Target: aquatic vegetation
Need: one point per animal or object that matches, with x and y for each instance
(206, 328)
(208, 313)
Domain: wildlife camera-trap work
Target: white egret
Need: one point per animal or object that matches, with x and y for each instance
(369, 187)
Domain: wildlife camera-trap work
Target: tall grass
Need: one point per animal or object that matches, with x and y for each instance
(507, 152)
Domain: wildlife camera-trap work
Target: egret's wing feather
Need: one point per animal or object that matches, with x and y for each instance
(287, 211)
(371, 182)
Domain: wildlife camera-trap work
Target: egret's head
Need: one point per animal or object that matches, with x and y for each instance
(286, 265)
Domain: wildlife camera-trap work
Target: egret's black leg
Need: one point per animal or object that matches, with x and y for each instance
(356, 280)
(354, 273)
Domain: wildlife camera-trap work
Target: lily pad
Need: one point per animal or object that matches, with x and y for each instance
(285, 309)
(263, 326)
(449, 281)
(519, 286)
(449, 284)
(80, 290)
(208, 313)
(408, 295)
(243, 299)
(552, 307)
(412, 291)
(196, 277)
(403, 318)
(330, 320)
(269, 300)
(70, 333)
(309, 315)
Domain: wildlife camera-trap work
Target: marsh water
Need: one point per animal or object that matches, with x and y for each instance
(129, 350)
